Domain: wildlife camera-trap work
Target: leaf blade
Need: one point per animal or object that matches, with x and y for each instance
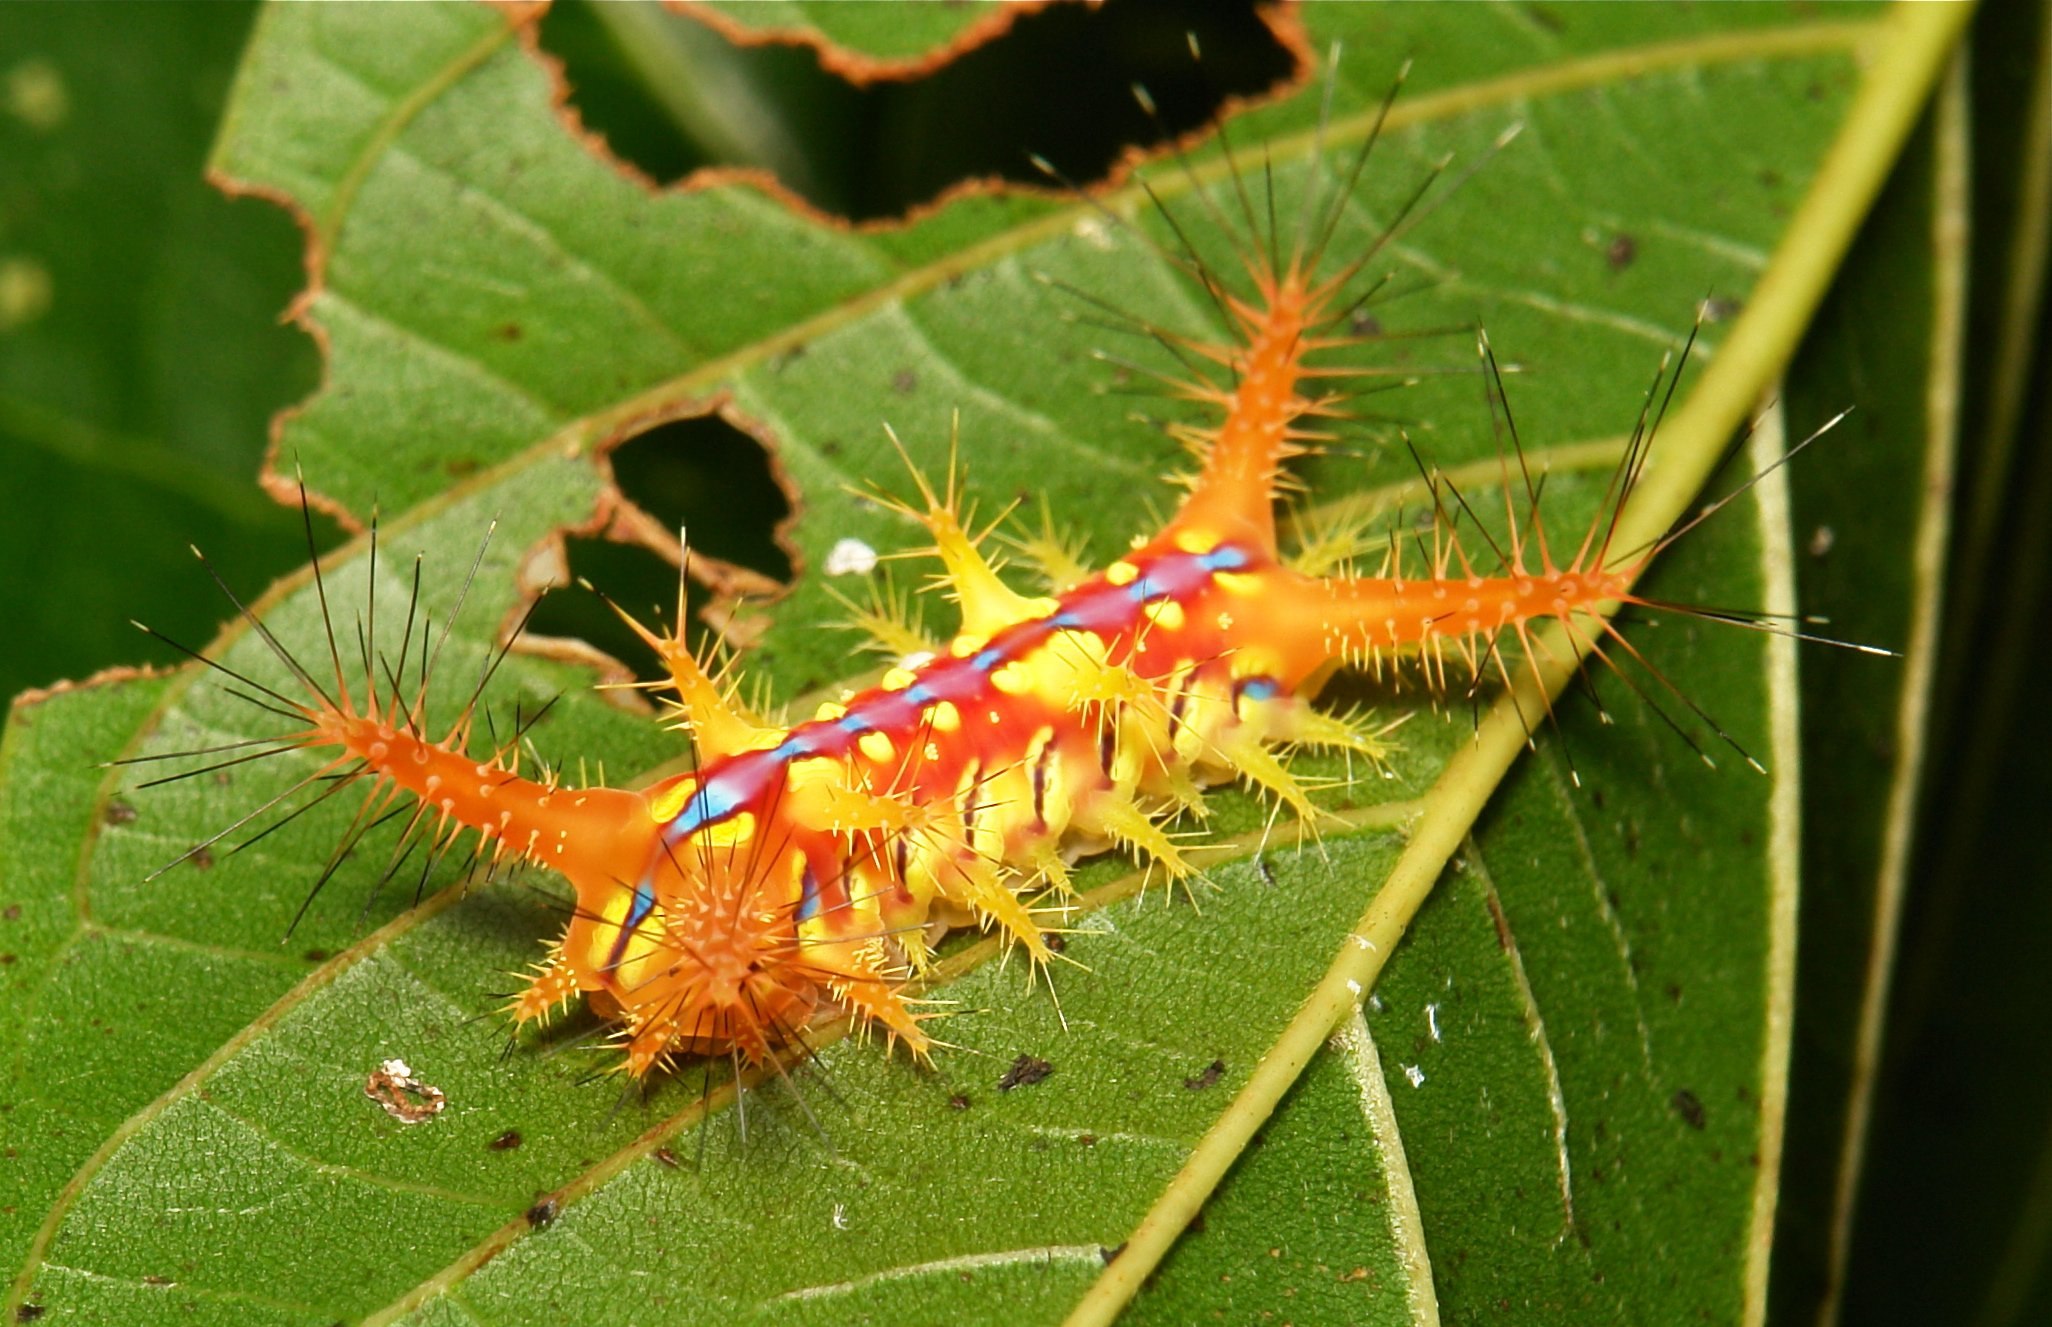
(760, 396)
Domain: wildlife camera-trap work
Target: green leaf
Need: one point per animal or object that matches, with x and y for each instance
(1564, 1098)
(874, 32)
(139, 352)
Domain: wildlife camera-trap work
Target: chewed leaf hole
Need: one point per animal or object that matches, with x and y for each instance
(712, 481)
(670, 95)
(634, 577)
(703, 478)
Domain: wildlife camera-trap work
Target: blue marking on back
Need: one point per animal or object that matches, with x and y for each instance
(637, 913)
(1224, 558)
(855, 723)
(797, 745)
(987, 658)
(1260, 688)
(712, 803)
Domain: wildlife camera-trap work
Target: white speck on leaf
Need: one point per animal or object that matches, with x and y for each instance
(850, 557)
(1094, 232)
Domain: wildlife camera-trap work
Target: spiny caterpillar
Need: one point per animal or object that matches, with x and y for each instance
(810, 868)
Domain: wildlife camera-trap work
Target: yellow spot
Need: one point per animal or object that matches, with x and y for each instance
(1014, 679)
(965, 645)
(1166, 614)
(828, 711)
(898, 679)
(1253, 662)
(669, 804)
(735, 829)
(1196, 541)
(639, 945)
(804, 775)
(24, 292)
(1122, 573)
(944, 717)
(1237, 582)
(877, 747)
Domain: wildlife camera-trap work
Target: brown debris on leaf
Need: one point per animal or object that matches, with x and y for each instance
(401, 1095)
(1025, 1072)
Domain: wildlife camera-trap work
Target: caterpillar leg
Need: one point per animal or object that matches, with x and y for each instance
(650, 1041)
(1344, 732)
(876, 1003)
(548, 990)
(991, 900)
(1120, 819)
(1259, 765)
(1046, 861)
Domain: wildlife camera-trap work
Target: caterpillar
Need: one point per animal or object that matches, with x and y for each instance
(803, 869)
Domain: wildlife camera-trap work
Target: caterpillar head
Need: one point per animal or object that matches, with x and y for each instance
(727, 935)
(698, 961)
